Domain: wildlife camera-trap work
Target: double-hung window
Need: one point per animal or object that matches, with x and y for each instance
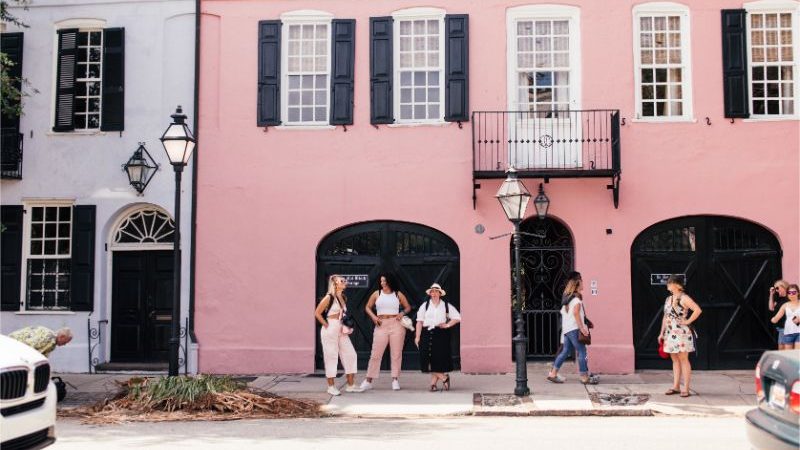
(772, 58)
(662, 61)
(419, 66)
(306, 63)
(90, 74)
(49, 257)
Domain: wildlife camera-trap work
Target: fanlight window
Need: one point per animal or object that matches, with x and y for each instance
(146, 227)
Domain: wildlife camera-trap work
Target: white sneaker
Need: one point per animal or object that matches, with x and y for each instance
(365, 385)
(353, 388)
(333, 391)
(395, 385)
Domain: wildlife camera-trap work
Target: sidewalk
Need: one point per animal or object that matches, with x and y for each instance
(716, 393)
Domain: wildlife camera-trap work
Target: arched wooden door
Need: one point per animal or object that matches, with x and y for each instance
(729, 265)
(417, 255)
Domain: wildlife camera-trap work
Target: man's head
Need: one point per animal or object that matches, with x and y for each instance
(63, 336)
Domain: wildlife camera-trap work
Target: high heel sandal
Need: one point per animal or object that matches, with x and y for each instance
(446, 383)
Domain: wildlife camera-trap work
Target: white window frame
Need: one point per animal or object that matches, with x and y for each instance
(774, 7)
(303, 17)
(28, 206)
(673, 9)
(410, 14)
(539, 12)
(82, 25)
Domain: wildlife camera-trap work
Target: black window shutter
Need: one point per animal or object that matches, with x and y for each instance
(343, 52)
(269, 73)
(82, 276)
(113, 80)
(10, 256)
(456, 68)
(734, 63)
(380, 70)
(11, 45)
(65, 81)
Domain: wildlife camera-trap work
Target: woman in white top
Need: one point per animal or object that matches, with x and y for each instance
(434, 320)
(388, 329)
(573, 321)
(791, 327)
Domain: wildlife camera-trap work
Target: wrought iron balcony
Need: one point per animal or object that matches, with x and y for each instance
(11, 155)
(547, 144)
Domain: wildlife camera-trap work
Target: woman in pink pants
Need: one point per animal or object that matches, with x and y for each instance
(388, 330)
(334, 336)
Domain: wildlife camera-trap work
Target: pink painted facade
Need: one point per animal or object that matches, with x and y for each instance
(267, 198)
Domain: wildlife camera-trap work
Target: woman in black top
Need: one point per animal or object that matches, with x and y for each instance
(777, 297)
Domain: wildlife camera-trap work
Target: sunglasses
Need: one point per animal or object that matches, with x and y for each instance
(792, 292)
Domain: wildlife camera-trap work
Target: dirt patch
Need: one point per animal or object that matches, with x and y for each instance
(603, 399)
(500, 400)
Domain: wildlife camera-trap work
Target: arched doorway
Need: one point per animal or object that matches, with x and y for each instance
(729, 265)
(417, 255)
(141, 245)
(547, 255)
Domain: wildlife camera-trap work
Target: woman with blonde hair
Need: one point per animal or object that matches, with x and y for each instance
(334, 337)
(791, 327)
(573, 321)
(777, 297)
(677, 334)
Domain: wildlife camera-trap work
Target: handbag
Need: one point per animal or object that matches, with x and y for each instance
(661, 352)
(348, 320)
(585, 339)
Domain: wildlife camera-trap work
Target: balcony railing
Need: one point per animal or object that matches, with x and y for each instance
(11, 155)
(547, 144)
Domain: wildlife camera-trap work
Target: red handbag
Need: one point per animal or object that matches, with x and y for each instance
(661, 352)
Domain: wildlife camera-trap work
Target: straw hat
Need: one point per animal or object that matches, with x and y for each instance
(438, 288)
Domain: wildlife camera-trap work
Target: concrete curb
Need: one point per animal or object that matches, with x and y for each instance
(570, 413)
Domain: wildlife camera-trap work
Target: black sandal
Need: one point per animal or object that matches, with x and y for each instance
(434, 388)
(446, 383)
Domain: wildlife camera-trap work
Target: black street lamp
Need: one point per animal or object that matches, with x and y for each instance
(140, 168)
(179, 143)
(514, 198)
(541, 203)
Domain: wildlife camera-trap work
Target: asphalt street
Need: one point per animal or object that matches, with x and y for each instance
(464, 433)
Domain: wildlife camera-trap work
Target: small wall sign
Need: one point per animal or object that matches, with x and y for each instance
(357, 280)
(661, 278)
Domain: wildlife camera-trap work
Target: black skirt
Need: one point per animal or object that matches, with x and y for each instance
(434, 351)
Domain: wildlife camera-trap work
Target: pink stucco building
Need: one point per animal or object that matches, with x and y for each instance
(361, 137)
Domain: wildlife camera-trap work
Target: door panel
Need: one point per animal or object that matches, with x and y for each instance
(141, 306)
(415, 254)
(730, 265)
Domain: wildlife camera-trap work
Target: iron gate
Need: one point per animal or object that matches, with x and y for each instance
(546, 262)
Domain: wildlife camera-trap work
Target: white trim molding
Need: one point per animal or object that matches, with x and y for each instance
(306, 15)
(687, 100)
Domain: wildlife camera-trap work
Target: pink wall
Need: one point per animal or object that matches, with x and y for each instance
(266, 199)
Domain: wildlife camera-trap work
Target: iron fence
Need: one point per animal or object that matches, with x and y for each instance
(11, 155)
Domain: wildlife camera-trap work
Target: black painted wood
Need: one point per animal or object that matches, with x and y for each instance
(113, 80)
(456, 96)
(734, 63)
(269, 73)
(729, 265)
(343, 56)
(11, 256)
(380, 70)
(417, 256)
(82, 276)
(65, 81)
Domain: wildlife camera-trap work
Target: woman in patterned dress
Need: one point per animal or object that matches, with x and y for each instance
(677, 335)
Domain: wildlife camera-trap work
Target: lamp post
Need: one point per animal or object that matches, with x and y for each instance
(514, 198)
(179, 143)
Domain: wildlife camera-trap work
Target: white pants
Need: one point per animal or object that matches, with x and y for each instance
(336, 345)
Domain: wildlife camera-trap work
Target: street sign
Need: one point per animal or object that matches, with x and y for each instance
(356, 280)
(661, 278)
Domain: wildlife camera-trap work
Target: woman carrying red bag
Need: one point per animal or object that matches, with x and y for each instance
(677, 336)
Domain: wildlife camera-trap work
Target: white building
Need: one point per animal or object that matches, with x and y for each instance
(81, 247)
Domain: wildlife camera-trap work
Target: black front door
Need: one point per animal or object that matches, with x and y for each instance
(417, 256)
(141, 306)
(729, 265)
(546, 258)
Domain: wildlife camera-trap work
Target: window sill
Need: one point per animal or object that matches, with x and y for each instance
(305, 127)
(675, 120)
(45, 313)
(771, 119)
(419, 124)
(76, 133)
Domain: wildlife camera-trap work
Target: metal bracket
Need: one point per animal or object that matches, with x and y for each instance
(94, 334)
(345, 128)
(459, 125)
(475, 187)
(614, 186)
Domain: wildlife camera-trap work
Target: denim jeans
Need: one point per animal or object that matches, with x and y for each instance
(570, 343)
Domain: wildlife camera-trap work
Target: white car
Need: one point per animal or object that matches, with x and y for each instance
(27, 397)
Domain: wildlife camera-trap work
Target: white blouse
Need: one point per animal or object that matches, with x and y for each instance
(436, 315)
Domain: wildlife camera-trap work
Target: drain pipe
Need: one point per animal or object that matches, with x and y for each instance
(195, 121)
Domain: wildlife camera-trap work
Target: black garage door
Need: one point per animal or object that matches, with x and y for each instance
(417, 255)
(729, 266)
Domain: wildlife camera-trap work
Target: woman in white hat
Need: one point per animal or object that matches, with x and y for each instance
(435, 318)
